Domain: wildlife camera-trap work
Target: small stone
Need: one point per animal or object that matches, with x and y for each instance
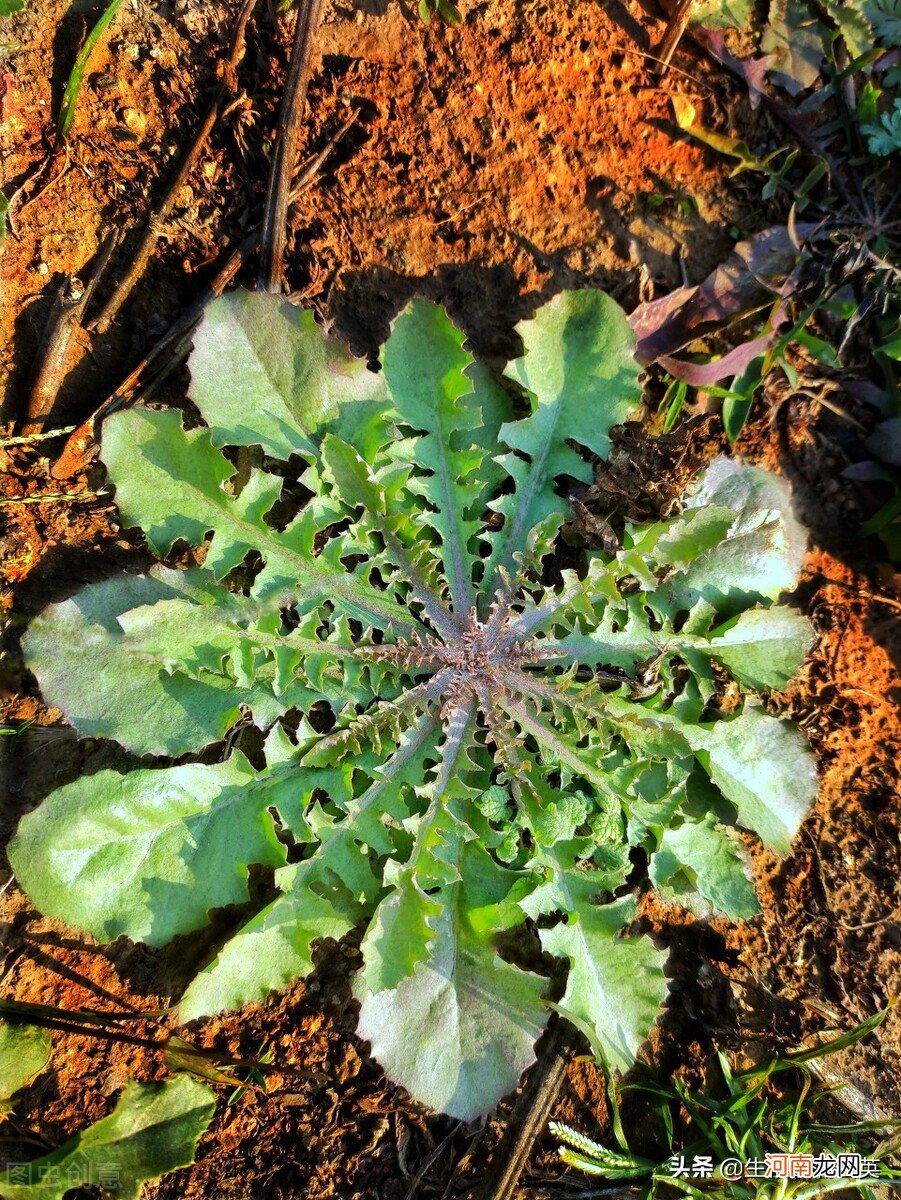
(133, 120)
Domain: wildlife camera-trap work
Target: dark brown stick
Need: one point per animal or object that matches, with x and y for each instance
(54, 351)
(673, 34)
(278, 197)
(313, 167)
(530, 1113)
(151, 235)
(176, 342)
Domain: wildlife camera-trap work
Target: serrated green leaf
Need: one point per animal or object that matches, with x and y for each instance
(322, 896)
(616, 986)
(426, 369)
(154, 1129)
(263, 373)
(400, 935)
(471, 746)
(762, 553)
(712, 863)
(272, 950)
(107, 688)
(149, 854)
(24, 1052)
(764, 767)
(460, 1031)
(171, 482)
(404, 926)
(581, 379)
(763, 647)
(855, 28)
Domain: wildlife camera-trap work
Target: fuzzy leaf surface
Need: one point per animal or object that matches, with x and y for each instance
(460, 1030)
(581, 378)
(149, 854)
(108, 687)
(616, 986)
(24, 1051)
(266, 376)
(711, 862)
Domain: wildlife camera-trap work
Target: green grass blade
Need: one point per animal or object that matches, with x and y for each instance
(73, 85)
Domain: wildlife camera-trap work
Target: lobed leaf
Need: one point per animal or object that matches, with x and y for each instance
(711, 862)
(263, 373)
(581, 379)
(459, 1032)
(615, 986)
(151, 853)
(764, 767)
(272, 950)
(106, 685)
(760, 556)
(425, 369)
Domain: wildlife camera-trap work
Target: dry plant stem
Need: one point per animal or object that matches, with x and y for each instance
(673, 34)
(151, 235)
(173, 347)
(530, 1114)
(52, 358)
(278, 197)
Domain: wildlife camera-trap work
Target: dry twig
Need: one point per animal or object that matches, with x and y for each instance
(530, 1113)
(278, 197)
(63, 322)
(673, 34)
(224, 94)
(172, 349)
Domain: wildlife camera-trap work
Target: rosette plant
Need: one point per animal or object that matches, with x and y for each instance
(464, 737)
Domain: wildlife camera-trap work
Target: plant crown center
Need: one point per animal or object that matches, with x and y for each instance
(476, 657)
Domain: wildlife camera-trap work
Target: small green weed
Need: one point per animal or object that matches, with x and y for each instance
(749, 1135)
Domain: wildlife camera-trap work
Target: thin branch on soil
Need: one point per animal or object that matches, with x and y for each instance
(605, 1193)
(79, 1016)
(22, 1140)
(50, 1018)
(876, 597)
(879, 599)
(278, 197)
(313, 167)
(699, 83)
(20, 199)
(674, 32)
(827, 891)
(530, 1113)
(53, 353)
(431, 1160)
(224, 94)
(172, 349)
